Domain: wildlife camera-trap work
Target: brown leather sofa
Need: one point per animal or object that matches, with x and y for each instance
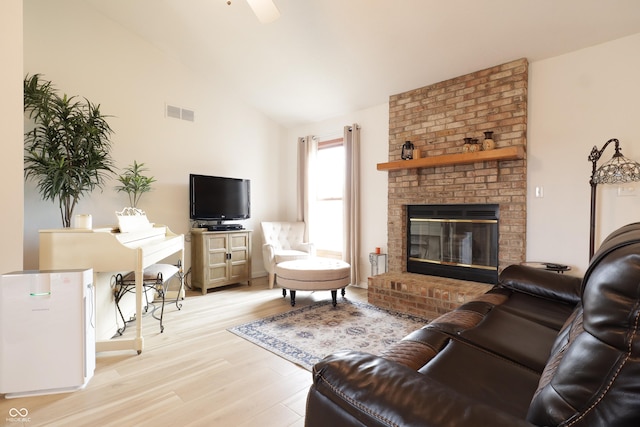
(539, 349)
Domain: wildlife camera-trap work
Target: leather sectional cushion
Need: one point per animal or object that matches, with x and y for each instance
(502, 333)
(358, 389)
(483, 377)
(552, 314)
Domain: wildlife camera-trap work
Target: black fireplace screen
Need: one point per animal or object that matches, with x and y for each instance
(457, 241)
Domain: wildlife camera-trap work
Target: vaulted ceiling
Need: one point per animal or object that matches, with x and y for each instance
(324, 58)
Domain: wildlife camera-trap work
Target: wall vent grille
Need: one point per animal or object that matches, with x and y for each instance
(180, 113)
(188, 115)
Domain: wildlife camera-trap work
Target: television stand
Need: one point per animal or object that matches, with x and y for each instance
(224, 227)
(220, 258)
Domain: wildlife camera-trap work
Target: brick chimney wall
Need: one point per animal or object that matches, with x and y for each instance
(435, 119)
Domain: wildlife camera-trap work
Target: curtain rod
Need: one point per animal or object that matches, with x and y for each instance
(333, 134)
(330, 135)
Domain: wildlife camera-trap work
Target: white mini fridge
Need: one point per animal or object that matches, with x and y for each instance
(47, 332)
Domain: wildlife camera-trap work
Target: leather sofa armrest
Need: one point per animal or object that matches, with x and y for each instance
(355, 389)
(542, 283)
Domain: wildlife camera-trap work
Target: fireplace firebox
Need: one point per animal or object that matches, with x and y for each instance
(456, 241)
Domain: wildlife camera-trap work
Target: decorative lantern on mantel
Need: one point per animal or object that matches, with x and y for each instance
(407, 151)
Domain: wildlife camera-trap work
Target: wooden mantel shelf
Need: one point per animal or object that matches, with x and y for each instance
(507, 153)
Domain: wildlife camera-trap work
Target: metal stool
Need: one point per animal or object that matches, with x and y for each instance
(155, 277)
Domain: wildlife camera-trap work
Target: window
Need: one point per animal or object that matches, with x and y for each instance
(328, 215)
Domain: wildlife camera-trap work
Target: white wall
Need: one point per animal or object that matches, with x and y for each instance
(11, 192)
(85, 54)
(576, 101)
(374, 140)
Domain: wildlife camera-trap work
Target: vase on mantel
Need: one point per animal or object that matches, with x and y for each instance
(488, 143)
(467, 145)
(474, 146)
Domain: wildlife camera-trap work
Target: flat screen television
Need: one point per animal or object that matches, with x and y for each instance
(217, 198)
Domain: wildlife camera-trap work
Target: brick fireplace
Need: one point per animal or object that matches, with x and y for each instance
(435, 119)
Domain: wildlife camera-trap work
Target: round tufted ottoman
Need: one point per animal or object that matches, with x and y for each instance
(313, 274)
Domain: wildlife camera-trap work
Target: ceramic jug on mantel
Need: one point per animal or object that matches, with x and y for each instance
(488, 143)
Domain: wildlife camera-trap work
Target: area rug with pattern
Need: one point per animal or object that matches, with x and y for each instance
(306, 335)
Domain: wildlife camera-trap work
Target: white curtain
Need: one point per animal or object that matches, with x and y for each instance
(351, 201)
(307, 152)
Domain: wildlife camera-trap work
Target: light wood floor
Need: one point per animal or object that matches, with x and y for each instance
(196, 373)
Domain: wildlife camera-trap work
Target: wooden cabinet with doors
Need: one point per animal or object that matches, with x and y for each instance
(220, 258)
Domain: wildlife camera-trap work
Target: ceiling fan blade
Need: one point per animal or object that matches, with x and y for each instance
(265, 10)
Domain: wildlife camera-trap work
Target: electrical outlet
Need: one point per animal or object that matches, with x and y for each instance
(539, 192)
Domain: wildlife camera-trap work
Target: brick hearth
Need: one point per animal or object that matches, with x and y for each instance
(435, 119)
(421, 295)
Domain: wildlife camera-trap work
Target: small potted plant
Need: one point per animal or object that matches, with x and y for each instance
(134, 182)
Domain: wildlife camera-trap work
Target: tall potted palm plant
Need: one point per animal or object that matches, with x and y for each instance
(67, 152)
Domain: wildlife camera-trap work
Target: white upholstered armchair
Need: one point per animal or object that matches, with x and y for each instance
(283, 241)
